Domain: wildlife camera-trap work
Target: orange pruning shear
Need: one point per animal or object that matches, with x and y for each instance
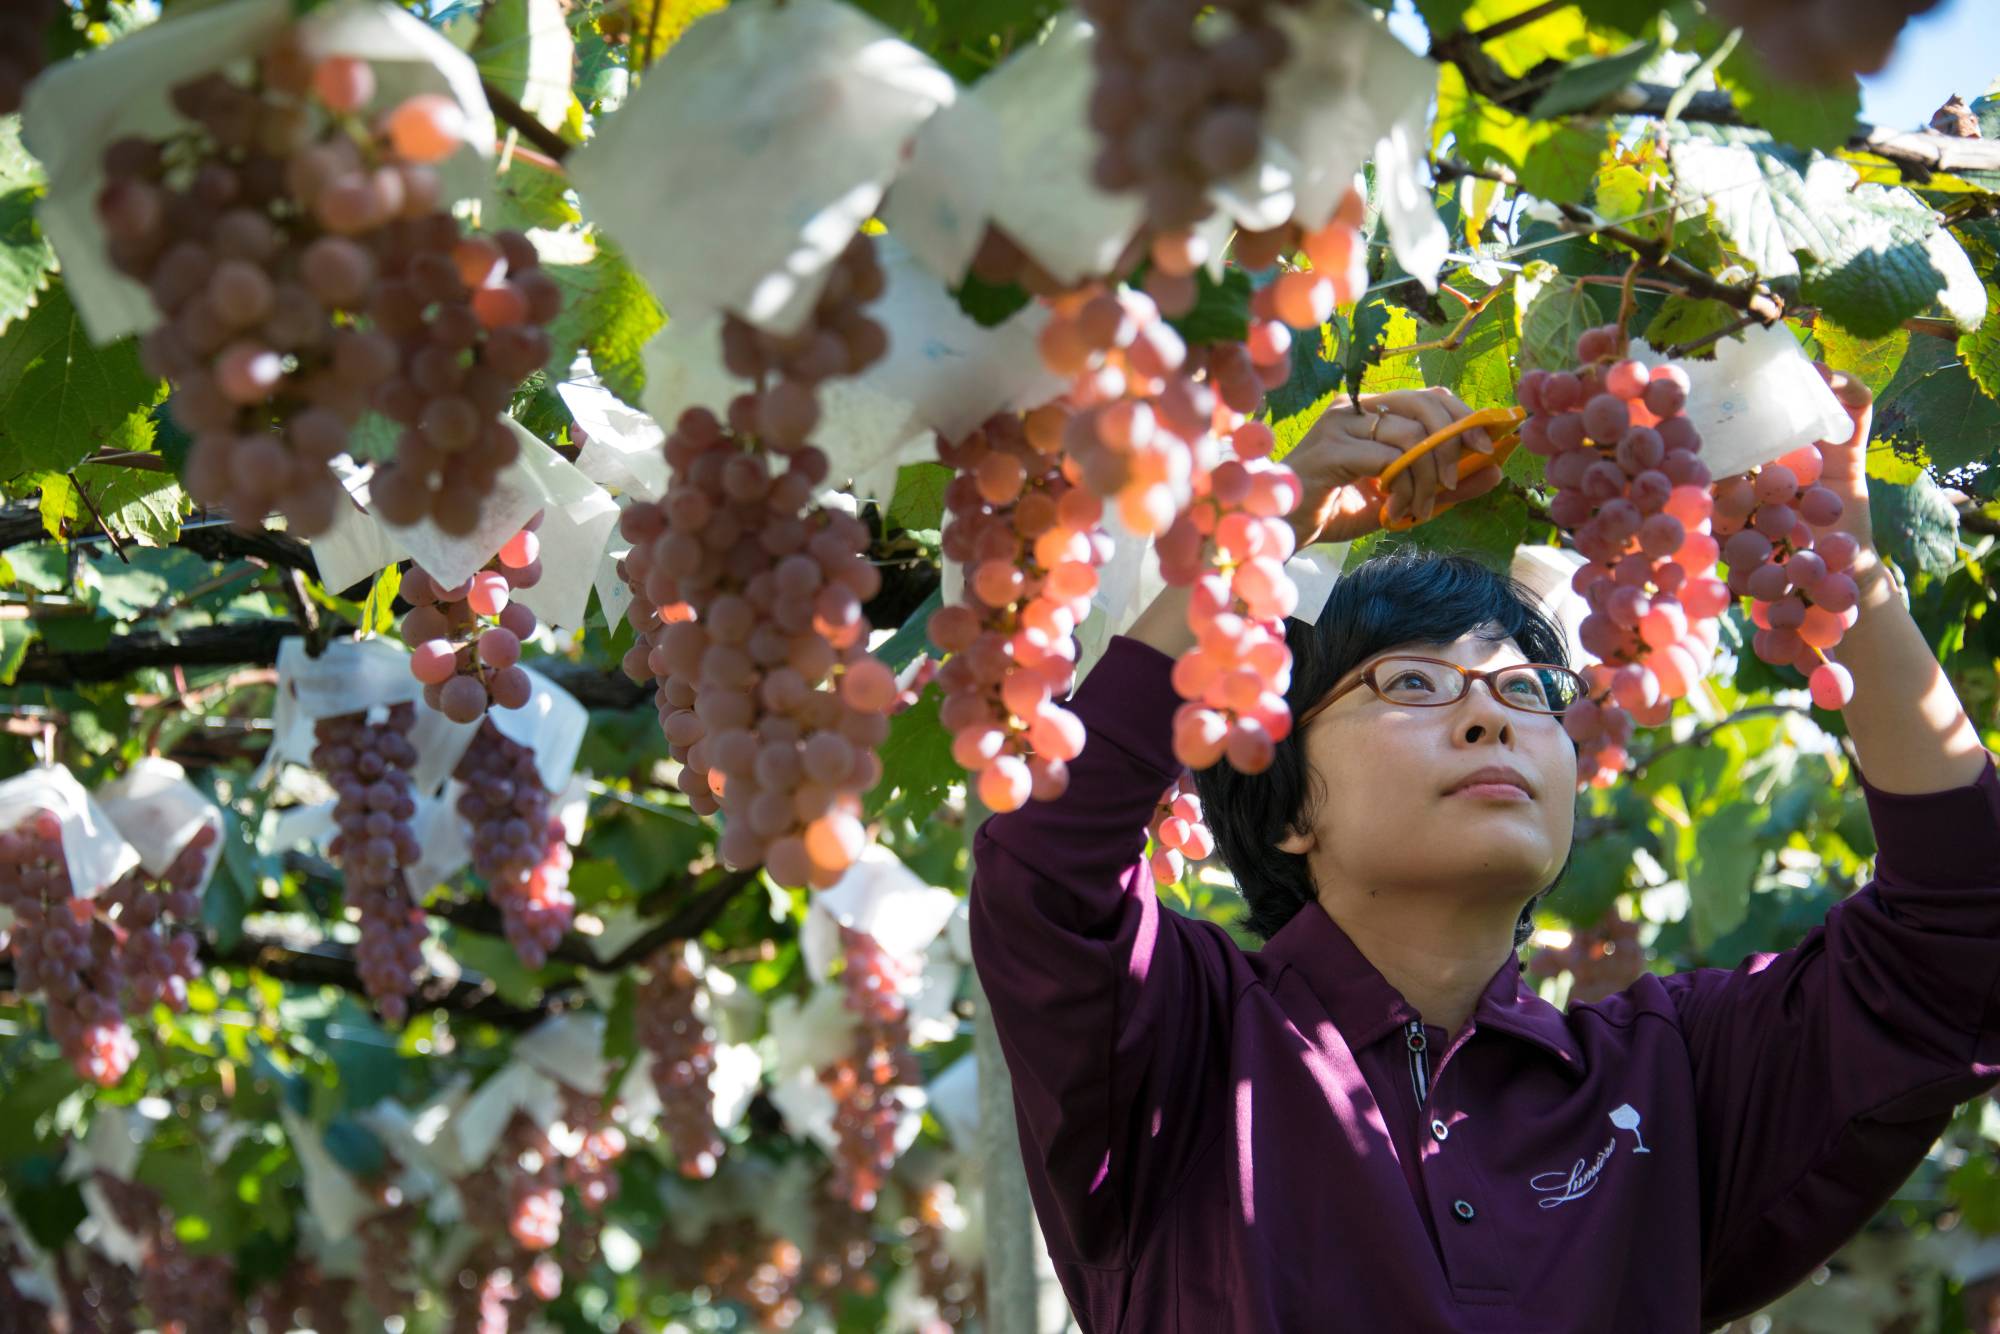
(1469, 462)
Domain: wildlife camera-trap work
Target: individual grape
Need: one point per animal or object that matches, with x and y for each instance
(1179, 834)
(427, 128)
(518, 844)
(369, 764)
(671, 1019)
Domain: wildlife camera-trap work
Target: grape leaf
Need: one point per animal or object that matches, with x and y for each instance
(609, 312)
(1586, 82)
(1934, 403)
(26, 260)
(901, 649)
(1980, 349)
(1727, 852)
(1480, 369)
(1315, 374)
(149, 506)
(1554, 159)
(61, 398)
(1684, 319)
(1873, 361)
(1221, 311)
(15, 636)
(1488, 528)
(1554, 314)
(526, 51)
(919, 499)
(916, 762)
(1916, 524)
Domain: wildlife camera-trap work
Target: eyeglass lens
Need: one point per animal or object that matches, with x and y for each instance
(1416, 682)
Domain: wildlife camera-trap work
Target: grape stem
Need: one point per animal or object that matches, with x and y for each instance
(1515, 22)
(117, 547)
(516, 117)
(1452, 341)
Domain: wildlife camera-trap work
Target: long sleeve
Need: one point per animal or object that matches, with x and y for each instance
(1823, 1074)
(1111, 1009)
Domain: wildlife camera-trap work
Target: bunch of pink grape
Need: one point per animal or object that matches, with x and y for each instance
(306, 269)
(519, 847)
(838, 339)
(747, 596)
(1133, 413)
(183, 1292)
(63, 952)
(1231, 545)
(1776, 525)
(843, 1243)
(865, 1083)
(154, 923)
(1633, 494)
(368, 764)
(1178, 105)
(592, 1169)
(24, 47)
(1178, 833)
(1030, 545)
(304, 1296)
(958, 1289)
(670, 1015)
(465, 641)
(1601, 958)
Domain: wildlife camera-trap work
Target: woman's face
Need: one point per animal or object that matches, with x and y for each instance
(1392, 806)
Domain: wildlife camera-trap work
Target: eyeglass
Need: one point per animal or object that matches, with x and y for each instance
(1420, 682)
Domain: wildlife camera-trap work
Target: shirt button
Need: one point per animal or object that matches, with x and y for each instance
(1464, 1211)
(1439, 1130)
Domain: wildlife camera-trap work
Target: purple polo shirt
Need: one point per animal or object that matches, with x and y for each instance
(1227, 1141)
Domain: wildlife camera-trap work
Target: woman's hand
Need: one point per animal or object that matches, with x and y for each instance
(1349, 446)
(1846, 472)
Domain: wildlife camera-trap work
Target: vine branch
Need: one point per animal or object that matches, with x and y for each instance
(1454, 340)
(516, 118)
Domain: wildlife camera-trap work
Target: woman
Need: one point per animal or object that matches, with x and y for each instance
(1373, 1123)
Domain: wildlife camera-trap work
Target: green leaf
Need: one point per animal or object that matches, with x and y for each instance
(146, 505)
(919, 499)
(1587, 82)
(1683, 319)
(1221, 311)
(1873, 361)
(610, 313)
(61, 398)
(917, 766)
(1812, 115)
(1487, 528)
(15, 637)
(1980, 349)
(1554, 159)
(378, 611)
(526, 51)
(1481, 369)
(1726, 856)
(1553, 317)
(26, 259)
(902, 648)
(1916, 524)
(528, 195)
(1315, 380)
(1934, 403)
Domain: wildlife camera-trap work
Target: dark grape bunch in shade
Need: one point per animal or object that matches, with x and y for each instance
(1029, 542)
(306, 269)
(1633, 497)
(747, 602)
(465, 641)
(24, 46)
(94, 961)
(519, 847)
(1178, 105)
(1178, 833)
(368, 762)
(866, 1082)
(182, 1290)
(1602, 958)
(1821, 41)
(671, 1020)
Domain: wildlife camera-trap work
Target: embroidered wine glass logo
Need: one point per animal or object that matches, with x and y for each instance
(1561, 1187)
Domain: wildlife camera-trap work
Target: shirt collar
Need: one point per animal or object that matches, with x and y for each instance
(1364, 1006)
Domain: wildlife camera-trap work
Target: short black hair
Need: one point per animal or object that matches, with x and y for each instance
(1406, 595)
